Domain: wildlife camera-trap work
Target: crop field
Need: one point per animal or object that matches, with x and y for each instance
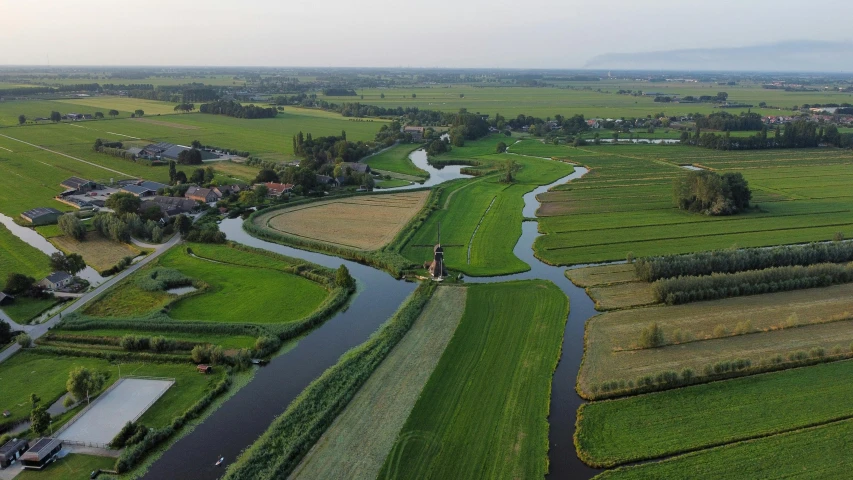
(100, 253)
(16, 256)
(366, 222)
(396, 160)
(602, 275)
(756, 328)
(481, 218)
(357, 442)
(483, 412)
(613, 287)
(818, 452)
(240, 287)
(625, 203)
(677, 421)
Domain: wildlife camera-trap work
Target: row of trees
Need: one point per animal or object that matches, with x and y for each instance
(711, 193)
(728, 122)
(801, 133)
(738, 260)
(235, 109)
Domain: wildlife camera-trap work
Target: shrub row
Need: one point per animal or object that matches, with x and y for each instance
(292, 434)
(731, 261)
(136, 453)
(111, 355)
(130, 434)
(680, 290)
(160, 322)
(121, 265)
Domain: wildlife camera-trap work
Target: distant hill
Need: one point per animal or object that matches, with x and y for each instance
(793, 56)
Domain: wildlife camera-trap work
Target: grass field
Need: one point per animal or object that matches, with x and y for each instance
(32, 109)
(24, 309)
(625, 203)
(481, 218)
(483, 412)
(99, 252)
(602, 275)
(613, 287)
(16, 256)
(71, 466)
(356, 444)
(819, 452)
(778, 324)
(366, 222)
(396, 159)
(223, 340)
(243, 290)
(677, 421)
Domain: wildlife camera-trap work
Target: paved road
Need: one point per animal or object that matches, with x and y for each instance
(38, 330)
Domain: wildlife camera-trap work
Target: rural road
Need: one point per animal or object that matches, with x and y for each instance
(37, 331)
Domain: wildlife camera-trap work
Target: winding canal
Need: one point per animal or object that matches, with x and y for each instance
(244, 417)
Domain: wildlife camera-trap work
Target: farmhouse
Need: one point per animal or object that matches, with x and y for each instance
(79, 185)
(56, 280)
(416, 132)
(42, 216)
(225, 190)
(74, 116)
(204, 195)
(170, 206)
(12, 451)
(275, 190)
(355, 167)
(41, 453)
(327, 180)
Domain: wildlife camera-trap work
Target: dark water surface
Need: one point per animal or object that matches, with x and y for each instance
(244, 417)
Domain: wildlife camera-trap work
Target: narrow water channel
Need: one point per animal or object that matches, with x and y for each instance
(436, 175)
(244, 417)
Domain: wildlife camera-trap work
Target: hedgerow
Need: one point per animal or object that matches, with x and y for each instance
(293, 433)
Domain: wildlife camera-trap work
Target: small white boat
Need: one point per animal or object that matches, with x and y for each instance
(219, 462)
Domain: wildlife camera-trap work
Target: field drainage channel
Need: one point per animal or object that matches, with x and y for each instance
(245, 416)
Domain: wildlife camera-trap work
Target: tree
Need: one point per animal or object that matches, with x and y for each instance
(24, 340)
(122, 203)
(18, 283)
(99, 114)
(22, 119)
(5, 333)
(71, 263)
(209, 174)
(501, 148)
(172, 172)
(652, 336)
(113, 113)
(197, 176)
(180, 177)
(414, 95)
(190, 157)
(381, 95)
(139, 112)
(183, 224)
(261, 192)
(509, 167)
(39, 420)
(196, 144)
(83, 382)
(343, 278)
(266, 175)
(72, 226)
(55, 117)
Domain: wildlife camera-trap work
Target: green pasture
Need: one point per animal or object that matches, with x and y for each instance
(676, 421)
(16, 256)
(818, 452)
(24, 309)
(483, 214)
(396, 159)
(483, 412)
(73, 465)
(32, 109)
(625, 203)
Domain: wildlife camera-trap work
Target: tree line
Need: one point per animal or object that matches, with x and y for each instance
(235, 109)
(801, 133)
(730, 261)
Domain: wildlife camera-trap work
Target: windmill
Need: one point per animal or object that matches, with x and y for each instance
(437, 269)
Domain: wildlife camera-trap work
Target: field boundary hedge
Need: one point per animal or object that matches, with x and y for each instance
(277, 452)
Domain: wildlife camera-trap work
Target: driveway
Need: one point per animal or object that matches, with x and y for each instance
(37, 331)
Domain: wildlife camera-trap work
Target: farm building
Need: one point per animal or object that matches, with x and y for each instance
(355, 167)
(74, 116)
(170, 151)
(416, 132)
(56, 280)
(79, 185)
(12, 451)
(275, 190)
(6, 299)
(204, 195)
(143, 188)
(170, 206)
(42, 452)
(42, 216)
(225, 190)
(327, 180)
(204, 369)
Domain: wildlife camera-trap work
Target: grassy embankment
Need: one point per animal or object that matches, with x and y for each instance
(625, 203)
(396, 160)
(357, 442)
(666, 423)
(483, 214)
(483, 412)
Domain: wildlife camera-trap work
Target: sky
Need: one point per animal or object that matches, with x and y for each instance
(386, 33)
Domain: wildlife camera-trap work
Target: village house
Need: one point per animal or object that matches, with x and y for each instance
(204, 195)
(79, 185)
(355, 167)
(56, 280)
(416, 132)
(593, 123)
(170, 206)
(276, 190)
(327, 181)
(42, 216)
(12, 450)
(225, 190)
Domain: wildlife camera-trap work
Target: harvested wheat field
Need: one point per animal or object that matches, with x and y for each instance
(366, 222)
(98, 252)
